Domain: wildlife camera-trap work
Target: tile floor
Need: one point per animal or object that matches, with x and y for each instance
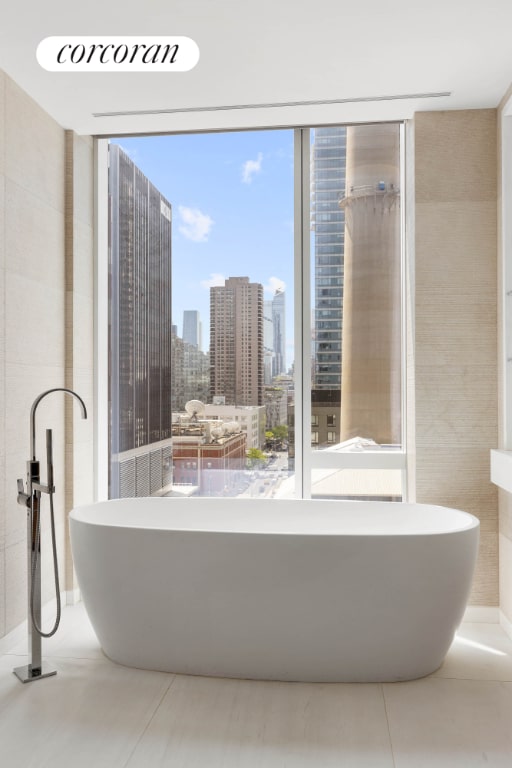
(97, 714)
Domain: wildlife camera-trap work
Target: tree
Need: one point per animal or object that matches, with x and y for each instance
(281, 432)
(255, 456)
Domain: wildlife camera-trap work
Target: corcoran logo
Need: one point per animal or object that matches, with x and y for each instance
(117, 54)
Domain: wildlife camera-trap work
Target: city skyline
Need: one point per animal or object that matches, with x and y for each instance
(232, 201)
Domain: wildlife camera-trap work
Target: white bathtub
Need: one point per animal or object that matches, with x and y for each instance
(275, 589)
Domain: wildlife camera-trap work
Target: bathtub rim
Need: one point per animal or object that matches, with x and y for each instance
(88, 514)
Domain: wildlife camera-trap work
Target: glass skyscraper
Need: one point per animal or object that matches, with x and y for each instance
(192, 328)
(328, 158)
(279, 333)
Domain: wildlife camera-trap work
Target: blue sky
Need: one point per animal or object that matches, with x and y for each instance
(232, 202)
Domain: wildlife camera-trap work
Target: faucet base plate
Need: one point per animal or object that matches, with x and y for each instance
(26, 673)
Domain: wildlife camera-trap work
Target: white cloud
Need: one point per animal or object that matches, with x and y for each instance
(250, 168)
(215, 279)
(274, 284)
(196, 225)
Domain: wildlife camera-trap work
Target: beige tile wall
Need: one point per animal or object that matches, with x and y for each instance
(2, 357)
(505, 499)
(79, 327)
(505, 559)
(35, 303)
(456, 322)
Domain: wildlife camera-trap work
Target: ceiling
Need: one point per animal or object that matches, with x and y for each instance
(371, 59)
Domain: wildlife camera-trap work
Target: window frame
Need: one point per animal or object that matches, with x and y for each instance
(307, 458)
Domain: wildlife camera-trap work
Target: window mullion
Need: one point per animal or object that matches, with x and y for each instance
(302, 343)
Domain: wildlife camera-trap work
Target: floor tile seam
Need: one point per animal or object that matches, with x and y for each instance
(150, 720)
(388, 725)
(466, 678)
(51, 655)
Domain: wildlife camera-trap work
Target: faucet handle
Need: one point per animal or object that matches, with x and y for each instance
(23, 498)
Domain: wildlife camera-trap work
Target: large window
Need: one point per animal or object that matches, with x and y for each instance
(356, 271)
(255, 314)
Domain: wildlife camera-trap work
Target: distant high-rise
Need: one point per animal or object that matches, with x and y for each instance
(140, 318)
(192, 328)
(279, 333)
(268, 341)
(328, 222)
(236, 342)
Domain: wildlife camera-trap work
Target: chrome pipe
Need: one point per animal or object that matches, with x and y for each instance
(33, 414)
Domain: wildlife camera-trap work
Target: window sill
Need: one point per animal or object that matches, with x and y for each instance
(501, 469)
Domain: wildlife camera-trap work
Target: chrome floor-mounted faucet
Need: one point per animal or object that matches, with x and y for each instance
(31, 499)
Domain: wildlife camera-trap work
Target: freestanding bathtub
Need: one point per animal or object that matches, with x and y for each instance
(312, 590)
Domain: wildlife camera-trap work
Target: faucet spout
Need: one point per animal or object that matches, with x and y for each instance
(33, 414)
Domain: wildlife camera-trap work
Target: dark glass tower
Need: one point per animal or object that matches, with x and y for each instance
(140, 316)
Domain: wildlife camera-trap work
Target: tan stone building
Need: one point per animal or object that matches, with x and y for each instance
(236, 342)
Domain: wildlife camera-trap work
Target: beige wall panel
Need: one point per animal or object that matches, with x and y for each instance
(15, 518)
(3, 506)
(3, 503)
(458, 238)
(462, 394)
(34, 148)
(458, 477)
(484, 590)
(456, 156)
(83, 317)
(34, 241)
(83, 189)
(2, 591)
(34, 337)
(456, 322)
(83, 282)
(32, 326)
(505, 500)
(2, 123)
(15, 585)
(79, 328)
(2, 351)
(82, 456)
(505, 560)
